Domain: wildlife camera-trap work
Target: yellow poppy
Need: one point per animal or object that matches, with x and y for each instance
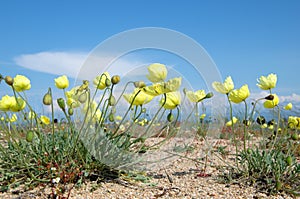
(289, 106)
(196, 96)
(272, 103)
(233, 121)
(172, 100)
(163, 87)
(21, 83)
(138, 97)
(225, 87)
(101, 81)
(267, 82)
(62, 82)
(239, 95)
(45, 119)
(157, 72)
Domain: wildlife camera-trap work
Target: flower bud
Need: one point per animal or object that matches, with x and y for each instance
(47, 99)
(111, 117)
(246, 122)
(269, 97)
(29, 136)
(139, 84)
(112, 101)
(61, 103)
(144, 110)
(271, 122)
(70, 111)
(107, 82)
(261, 120)
(113, 110)
(289, 160)
(9, 80)
(82, 97)
(115, 79)
(249, 151)
(209, 95)
(295, 136)
(184, 91)
(170, 117)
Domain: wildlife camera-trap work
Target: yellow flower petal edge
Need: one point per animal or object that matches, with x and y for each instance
(21, 83)
(62, 82)
(225, 87)
(239, 95)
(267, 82)
(272, 103)
(164, 87)
(157, 72)
(173, 99)
(196, 96)
(138, 97)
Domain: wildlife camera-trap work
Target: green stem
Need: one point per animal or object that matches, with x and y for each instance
(253, 109)
(232, 123)
(126, 113)
(52, 115)
(277, 127)
(156, 114)
(245, 124)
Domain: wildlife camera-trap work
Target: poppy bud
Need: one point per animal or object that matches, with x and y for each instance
(29, 136)
(61, 103)
(47, 99)
(111, 117)
(261, 120)
(246, 122)
(112, 101)
(289, 160)
(70, 111)
(107, 82)
(269, 97)
(271, 122)
(9, 80)
(209, 95)
(295, 136)
(115, 79)
(170, 117)
(139, 84)
(82, 97)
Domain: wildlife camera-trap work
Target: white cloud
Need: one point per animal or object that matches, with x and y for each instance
(57, 63)
(80, 65)
(290, 98)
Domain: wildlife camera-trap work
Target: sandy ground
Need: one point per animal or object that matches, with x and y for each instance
(184, 178)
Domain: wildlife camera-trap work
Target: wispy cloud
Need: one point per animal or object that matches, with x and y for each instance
(77, 64)
(57, 63)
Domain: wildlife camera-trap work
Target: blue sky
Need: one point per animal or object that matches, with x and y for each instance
(245, 39)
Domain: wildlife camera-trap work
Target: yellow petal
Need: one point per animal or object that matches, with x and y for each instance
(272, 103)
(225, 87)
(157, 72)
(289, 106)
(45, 120)
(100, 81)
(173, 99)
(267, 82)
(21, 83)
(138, 97)
(62, 82)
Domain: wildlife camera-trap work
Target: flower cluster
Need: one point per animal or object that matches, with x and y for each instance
(144, 94)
